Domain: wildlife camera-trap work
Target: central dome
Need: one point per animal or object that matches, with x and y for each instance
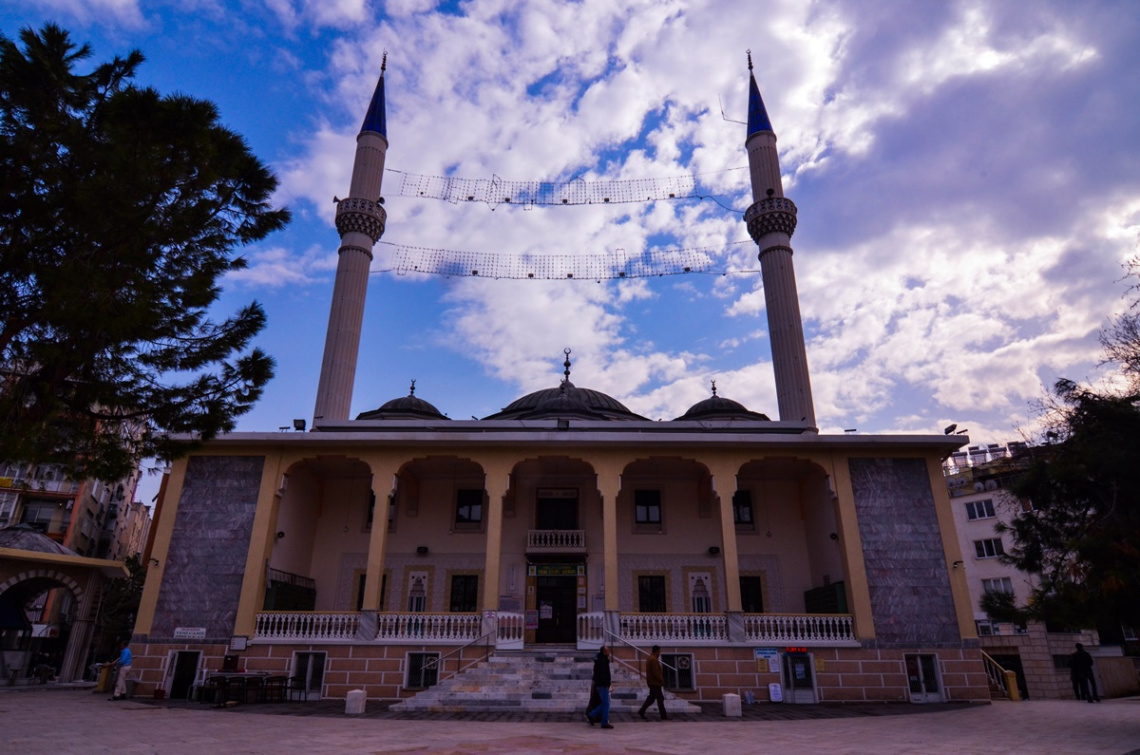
(567, 400)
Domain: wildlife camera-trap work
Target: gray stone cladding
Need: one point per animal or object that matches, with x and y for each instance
(201, 579)
(902, 547)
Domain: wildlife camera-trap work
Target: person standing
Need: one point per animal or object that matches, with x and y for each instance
(602, 682)
(655, 679)
(1081, 669)
(123, 667)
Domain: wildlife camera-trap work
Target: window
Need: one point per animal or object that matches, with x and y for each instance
(423, 670)
(980, 509)
(678, 670)
(469, 508)
(417, 592)
(751, 595)
(985, 628)
(464, 593)
(310, 668)
(742, 509)
(700, 597)
(647, 507)
(989, 548)
(38, 514)
(360, 590)
(998, 584)
(372, 513)
(651, 594)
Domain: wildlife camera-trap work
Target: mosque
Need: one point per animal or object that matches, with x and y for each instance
(392, 551)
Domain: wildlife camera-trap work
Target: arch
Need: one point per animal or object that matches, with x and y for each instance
(40, 576)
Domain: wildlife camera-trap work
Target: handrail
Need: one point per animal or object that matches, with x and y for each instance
(436, 662)
(1002, 678)
(635, 647)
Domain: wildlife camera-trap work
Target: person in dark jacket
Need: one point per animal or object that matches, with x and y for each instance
(1081, 670)
(655, 679)
(602, 682)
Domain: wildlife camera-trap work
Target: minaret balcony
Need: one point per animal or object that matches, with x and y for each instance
(770, 215)
(361, 215)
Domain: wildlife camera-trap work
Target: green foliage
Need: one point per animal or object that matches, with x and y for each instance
(120, 211)
(119, 607)
(1082, 536)
(1001, 606)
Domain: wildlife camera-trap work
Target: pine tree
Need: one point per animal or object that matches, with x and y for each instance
(121, 209)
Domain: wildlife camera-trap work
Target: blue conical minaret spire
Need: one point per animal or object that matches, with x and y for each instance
(757, 113)
(376, 119)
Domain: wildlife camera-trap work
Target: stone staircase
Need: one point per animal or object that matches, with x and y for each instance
(552, 679)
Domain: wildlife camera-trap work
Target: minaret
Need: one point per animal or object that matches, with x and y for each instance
(360, 222)
(771, 222)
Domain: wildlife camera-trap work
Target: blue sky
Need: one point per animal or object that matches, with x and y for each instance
(967, 176)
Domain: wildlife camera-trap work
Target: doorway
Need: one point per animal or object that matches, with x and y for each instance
(556, 509)
(556, 599)
(799, 679)
(182, 672)
(922, 677)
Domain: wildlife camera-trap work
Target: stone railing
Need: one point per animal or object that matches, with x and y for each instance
(800, 629)
(511, 631)
(674, 627)
(562, 541)
(591, 630)
(428, 627)
(315, 626)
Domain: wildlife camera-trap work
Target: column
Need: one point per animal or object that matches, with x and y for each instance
(384, 485)
(497, 484)
(851, 546)
(260, 544)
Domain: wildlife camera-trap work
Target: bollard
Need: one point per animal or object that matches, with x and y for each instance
(354, 703)
(732, 705)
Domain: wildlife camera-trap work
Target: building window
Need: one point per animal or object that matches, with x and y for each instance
(423, 670)
(980, 509)
(464, 593)
(751, 595)
(678, 670)
(998, 584)
(417, 593)
(469, 508)
(647, 507)
(989, 548)
(651, 594)
(309, 668)
(372, 513)
(742, 509)
(360, 590)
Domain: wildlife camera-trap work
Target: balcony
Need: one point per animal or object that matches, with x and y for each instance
(555, 541)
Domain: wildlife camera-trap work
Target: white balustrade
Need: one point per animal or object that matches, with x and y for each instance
(674, 627)
(556, 540)
(511, 631)
(306, 625)
(591, 630)
(429, 627)
(800, 629)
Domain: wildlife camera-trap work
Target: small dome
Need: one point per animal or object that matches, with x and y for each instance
(405, 407)
(718, 407)
(567, 400)
(24, 537)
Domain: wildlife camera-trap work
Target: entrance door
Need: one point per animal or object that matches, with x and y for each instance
(185, 672)
(799, 679)
(922, 676)
(557, 609)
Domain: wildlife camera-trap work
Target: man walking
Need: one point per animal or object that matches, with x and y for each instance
(602, 682)
(123, 666)
(1081, 669)
(656, 680)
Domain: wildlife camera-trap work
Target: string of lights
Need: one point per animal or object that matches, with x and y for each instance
(496, 191)
(405, 259)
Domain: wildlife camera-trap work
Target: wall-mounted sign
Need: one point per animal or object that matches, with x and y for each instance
(555, 570)
(767, 659)
(190, 633)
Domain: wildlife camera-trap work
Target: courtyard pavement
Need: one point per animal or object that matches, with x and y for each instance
(71, 720)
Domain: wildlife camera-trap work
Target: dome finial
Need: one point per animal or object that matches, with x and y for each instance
(412, 391)
(384, 63)
(566, 364)
(749, 59)
(714, 387)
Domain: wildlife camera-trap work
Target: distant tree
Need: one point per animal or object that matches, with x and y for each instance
(1081, 537)
(119, 607)
(120, 210)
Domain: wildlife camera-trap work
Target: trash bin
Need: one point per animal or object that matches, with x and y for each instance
(103, 683)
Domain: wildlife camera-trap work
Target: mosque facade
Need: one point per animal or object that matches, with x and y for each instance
(384, 552)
